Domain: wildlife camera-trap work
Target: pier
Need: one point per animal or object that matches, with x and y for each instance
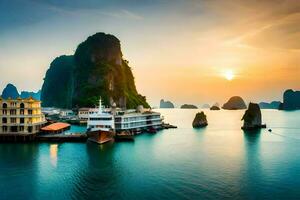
(17, 137)
(77, 137)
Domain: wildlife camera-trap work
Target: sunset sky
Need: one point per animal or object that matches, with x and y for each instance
(180, 50)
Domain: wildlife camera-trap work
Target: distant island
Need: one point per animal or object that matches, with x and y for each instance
(272, 105)
(216, 106)
(166, 104)
(205, 105)
(235, 103)
(291, 100)
(96, 69)
(10, 91)
(188, 106)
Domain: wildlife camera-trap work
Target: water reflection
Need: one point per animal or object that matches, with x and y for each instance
(253, 162)
(97, 180)
(53, 154)
(18, 165)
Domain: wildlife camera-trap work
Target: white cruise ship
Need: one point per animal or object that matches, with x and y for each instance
(103, 124)
(100, 125)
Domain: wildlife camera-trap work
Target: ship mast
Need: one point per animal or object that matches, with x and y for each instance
(100, 105)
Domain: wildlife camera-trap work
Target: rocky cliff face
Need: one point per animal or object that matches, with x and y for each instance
(97, 69)
(57, 89)
(235, 103)
(10, 91)
(166, 104)
(200, 120)
(291, 100)
(252, 117)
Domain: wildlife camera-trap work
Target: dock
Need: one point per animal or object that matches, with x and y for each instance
(78, 137)
(17, 137)
(167, 126)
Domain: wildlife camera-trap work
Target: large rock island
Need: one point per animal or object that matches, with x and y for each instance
(234, 103)
(252, 118)
(96, 69)
(291, 100)
(166, 104)
(200, 120)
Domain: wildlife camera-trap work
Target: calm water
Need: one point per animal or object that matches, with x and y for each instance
(219, 161)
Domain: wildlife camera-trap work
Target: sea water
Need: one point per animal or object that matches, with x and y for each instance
(217, 162)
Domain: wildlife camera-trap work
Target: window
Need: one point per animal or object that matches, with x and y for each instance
(4, 112)
(29, 112)
(4, 105)
(13, 120)
(13, 112)
(22, 105)
(4, 128)
(22, 120)
(4, 120)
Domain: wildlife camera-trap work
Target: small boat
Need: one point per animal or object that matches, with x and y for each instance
(151, 130)
(124, 136)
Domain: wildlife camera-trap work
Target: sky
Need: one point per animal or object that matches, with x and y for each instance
(186, 51)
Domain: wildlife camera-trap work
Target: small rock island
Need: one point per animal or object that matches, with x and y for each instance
(166, 104)
(252, 118)
(235, 103)
(188, 106)
(200, 120)
(215, 107)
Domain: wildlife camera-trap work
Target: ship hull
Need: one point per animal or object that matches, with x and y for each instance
(100, 137)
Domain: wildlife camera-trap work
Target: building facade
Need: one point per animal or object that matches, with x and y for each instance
(22, 116)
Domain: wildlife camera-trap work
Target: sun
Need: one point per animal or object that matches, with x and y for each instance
(229, 75)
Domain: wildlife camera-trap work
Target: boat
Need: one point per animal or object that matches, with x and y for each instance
(103, 125)
(137, 120)
(100, 126)
(124, 136)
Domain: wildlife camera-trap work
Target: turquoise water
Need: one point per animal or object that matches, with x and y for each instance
(217, 162)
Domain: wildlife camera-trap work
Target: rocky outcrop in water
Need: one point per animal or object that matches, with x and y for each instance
(188, 106)
(291, 100)
(235, 103)
(166, 104)
(272, 105)
(200, 120)
(252, 118)
(96, 69)
(215, 107)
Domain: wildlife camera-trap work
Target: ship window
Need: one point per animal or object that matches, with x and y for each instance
(101, 119)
